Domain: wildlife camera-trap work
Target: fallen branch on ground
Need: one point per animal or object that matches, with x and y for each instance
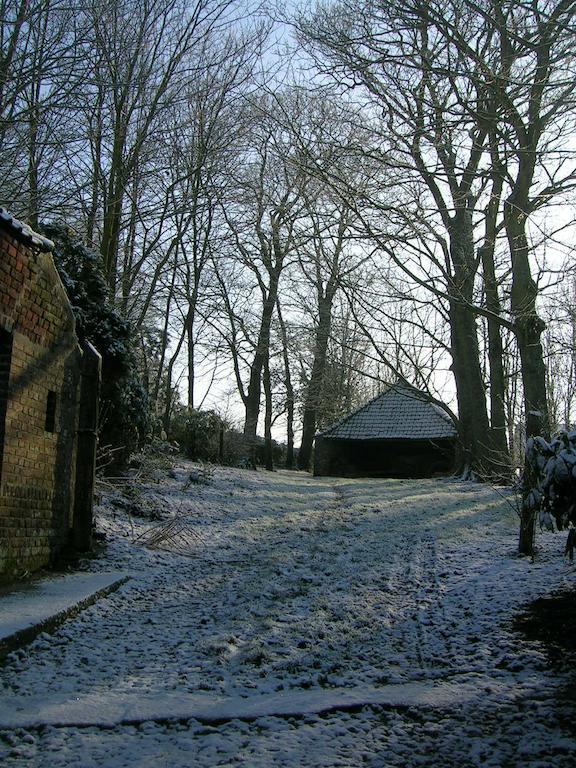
(175, 535)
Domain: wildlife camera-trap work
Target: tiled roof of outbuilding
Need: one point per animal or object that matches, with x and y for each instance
(24, 233)
(399, 413)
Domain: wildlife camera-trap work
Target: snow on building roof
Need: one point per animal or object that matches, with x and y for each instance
(400, 413)
(23, 232)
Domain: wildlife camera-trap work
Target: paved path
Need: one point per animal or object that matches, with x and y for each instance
(42, 604)
(111, 709)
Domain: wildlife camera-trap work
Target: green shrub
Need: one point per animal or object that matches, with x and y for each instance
(124, 409)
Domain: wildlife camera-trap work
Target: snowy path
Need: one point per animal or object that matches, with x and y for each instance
(378, 612)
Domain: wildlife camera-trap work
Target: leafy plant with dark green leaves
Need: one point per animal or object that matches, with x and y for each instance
(124, 410)
(553, 491)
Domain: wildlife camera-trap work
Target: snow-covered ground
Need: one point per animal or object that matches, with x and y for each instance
(301, 622)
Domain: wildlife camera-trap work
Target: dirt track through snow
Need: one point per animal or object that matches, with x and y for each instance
(307, 588)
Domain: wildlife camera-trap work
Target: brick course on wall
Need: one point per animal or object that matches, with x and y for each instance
(37, 467)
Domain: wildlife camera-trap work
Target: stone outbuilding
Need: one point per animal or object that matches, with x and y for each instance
(40, 380)
(400, 433)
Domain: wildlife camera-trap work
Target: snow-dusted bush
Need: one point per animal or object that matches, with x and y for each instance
(203, 474)
(198, 433)
(205, 437)
(552, 491)
(154, 461)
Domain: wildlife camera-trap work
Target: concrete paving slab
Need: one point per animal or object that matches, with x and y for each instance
(109, 708)
(43, 604)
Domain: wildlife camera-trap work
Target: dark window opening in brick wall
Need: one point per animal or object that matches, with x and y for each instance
(51, 401)
(5, 363)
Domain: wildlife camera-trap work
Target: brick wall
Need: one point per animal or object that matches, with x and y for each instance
(39, 414)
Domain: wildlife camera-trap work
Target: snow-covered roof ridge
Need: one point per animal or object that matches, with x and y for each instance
(400, 412)
(24, 232)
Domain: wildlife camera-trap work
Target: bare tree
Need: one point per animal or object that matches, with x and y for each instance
(265, 220)
(290, 397)
(143, 55)
(530, 77)
(41, 70)
(427, 142)
(348, 381)
(325, 261)
(528, 72)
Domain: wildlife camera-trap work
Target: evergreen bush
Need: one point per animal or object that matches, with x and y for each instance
(198, 433)
(124, 410)
(552, 494)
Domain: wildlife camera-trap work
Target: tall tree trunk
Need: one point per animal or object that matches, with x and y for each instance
(475, 438)
(498, 421)
(253, 395)
(165, 339)
(168, 394)
(96, 134)
(190, 360)
(191, 347)
(33, 201)
(474, 428)
(112, 215)
(112, 220)
(34, 150)
(528, 324)
(129, 251)
(289, 391)
(528, 330)
(266, 381)
(314, 389)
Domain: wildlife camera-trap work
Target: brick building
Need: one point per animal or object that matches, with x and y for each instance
(40, 370)
(400, 433)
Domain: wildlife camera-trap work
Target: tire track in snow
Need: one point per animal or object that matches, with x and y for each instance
(407, 559)
(415, 630)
